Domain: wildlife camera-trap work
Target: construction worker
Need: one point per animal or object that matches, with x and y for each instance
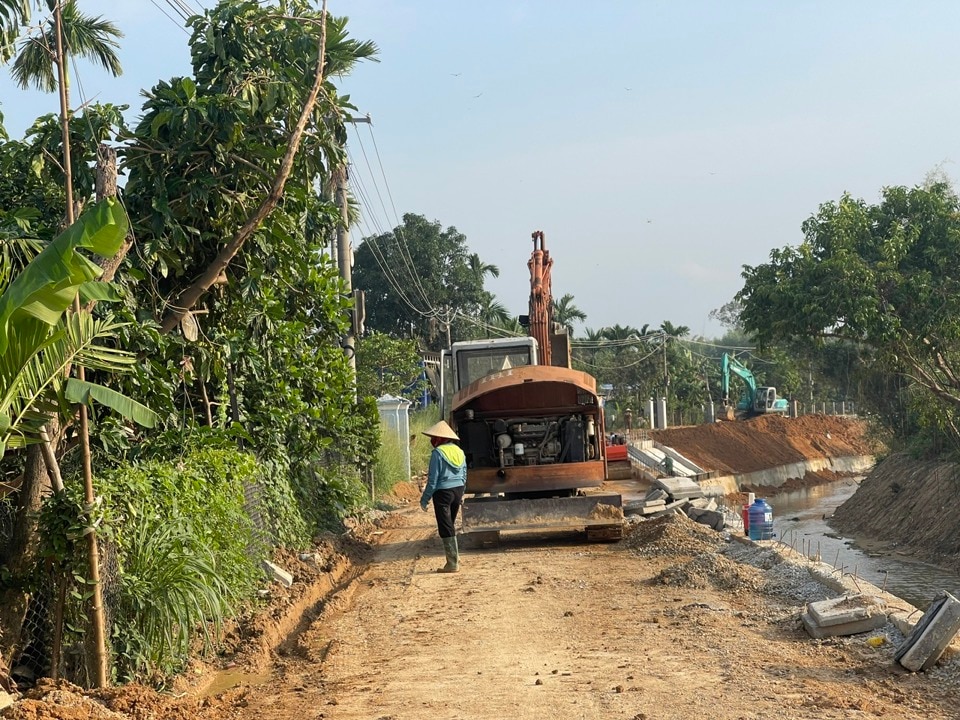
(445, 482)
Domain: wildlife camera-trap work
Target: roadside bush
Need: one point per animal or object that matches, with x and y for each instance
(183, 553)
(170, 586)
(204, 493)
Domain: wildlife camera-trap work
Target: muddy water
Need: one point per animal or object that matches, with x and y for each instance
(800, 520)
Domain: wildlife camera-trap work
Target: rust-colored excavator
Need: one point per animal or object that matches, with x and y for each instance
(531, 427)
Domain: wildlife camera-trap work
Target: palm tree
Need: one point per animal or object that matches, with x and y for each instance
(565, 312)
(481, 269)
(493, 312)
(677, 331)
(92, 38)
(14, 14)
(620, 332)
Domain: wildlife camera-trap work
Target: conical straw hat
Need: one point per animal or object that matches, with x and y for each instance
(441, 430)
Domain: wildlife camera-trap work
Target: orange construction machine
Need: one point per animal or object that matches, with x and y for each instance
(531, 427)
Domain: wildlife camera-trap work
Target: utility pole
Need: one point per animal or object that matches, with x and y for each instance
(344, 263)
(345, 259)
(98, 629)
(666, 377)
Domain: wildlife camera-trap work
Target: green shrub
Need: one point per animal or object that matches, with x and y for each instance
(170, 586)
(206, 486)
(187, 552)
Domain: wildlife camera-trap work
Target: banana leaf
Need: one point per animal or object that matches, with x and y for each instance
(49, 284)
(80, 391)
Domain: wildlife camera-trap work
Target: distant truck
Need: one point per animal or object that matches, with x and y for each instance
(754, 400)
(531, 427)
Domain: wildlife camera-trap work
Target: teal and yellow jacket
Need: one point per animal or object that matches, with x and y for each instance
(448, 469)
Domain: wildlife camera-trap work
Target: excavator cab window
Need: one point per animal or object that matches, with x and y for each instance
(475, 364)
(447, 384)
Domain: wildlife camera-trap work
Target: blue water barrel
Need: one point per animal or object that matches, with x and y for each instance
(761, 520)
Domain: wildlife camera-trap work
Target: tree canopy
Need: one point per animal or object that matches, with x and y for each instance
(418, 279)
(882, 276)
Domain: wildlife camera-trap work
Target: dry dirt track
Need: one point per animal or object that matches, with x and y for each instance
(563, 629)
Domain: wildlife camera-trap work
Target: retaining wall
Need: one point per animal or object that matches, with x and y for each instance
(778, 476)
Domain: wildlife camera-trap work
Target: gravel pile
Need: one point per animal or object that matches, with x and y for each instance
(712, 570)
(674, 534)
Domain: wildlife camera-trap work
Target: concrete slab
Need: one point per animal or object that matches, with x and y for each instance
(710, 518)
(656, 493)
(704, 503)
(675, 506)
(679, 488)
(930, 637)
(846, 609)
(849, 628)
(275, 572)
(651, 508)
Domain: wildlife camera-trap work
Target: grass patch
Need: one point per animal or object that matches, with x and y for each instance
(391, 465)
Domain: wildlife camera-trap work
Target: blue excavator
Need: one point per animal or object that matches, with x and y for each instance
(754, 400)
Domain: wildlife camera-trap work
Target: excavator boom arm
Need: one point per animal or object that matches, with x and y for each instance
(732, 365)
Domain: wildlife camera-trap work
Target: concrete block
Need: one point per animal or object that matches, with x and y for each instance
(650, 508)
(656, 493)
(704, 503)
(710, 518)
(675, 506)
(938, 626)
(847, 609)
(848, 628)
(679, 488)
(639, 507)
(275, 572)
(6, 699)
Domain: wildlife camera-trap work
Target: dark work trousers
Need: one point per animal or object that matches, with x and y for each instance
(446, 505)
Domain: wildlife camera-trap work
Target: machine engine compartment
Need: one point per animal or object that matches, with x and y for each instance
(524, 441)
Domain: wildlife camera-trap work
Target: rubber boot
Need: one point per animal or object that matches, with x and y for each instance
(453, 555)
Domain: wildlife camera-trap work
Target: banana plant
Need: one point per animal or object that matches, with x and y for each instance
(39, 341)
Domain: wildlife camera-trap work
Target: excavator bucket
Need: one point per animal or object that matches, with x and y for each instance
(600, 514)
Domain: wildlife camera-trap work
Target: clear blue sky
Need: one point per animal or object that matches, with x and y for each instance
(659, 145)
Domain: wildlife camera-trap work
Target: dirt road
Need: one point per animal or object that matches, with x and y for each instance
(561, 629)
(674, 622)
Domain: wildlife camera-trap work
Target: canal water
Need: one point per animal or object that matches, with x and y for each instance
(800, 520)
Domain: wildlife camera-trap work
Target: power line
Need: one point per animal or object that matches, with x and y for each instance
(173, 5)
(380, 257)
(169, 16)
(401, 243)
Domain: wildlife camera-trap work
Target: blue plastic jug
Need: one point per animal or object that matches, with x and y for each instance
(761, 520)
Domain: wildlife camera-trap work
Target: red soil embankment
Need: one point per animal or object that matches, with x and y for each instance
(768, 441)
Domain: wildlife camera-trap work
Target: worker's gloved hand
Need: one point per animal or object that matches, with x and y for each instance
(423, 506)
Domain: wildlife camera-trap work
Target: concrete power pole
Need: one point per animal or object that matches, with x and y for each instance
(344, 263)
(345, 260)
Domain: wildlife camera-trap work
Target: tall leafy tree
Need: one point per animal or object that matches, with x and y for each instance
(387, 365)
(259, 349)
(884, 277)
(419, 276)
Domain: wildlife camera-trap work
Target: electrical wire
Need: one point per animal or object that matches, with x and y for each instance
(398, 234)
(169, 16)
(173, 5)
(620, 366)
(380, 256)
